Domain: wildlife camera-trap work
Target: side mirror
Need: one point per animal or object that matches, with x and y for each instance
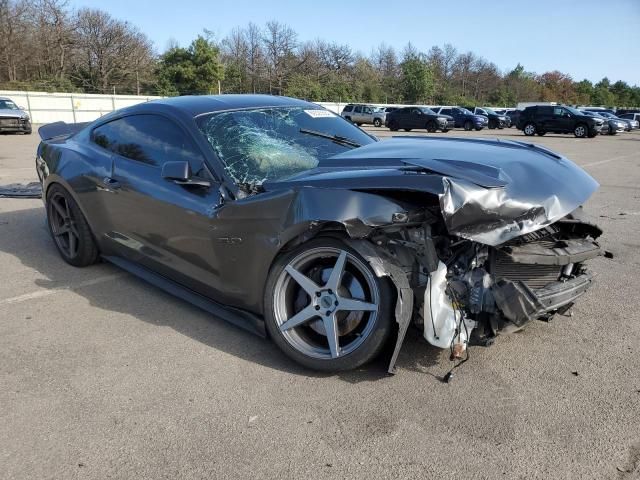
(180, 173)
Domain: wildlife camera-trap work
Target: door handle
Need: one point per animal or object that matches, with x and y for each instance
(111, 183)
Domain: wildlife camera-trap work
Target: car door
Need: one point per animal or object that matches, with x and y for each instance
(417, 118)
(357, 114)
(367, 114)
(156, 222)
(559, 120)
(404, 118)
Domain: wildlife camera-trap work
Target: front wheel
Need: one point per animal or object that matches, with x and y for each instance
(325, 307)
(580, 131)
(431, 127)
(377, 122)
(69, 228)
(393, 126)
(529, 129)
(468, 126)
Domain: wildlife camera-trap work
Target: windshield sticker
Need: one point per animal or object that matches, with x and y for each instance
(319, 113)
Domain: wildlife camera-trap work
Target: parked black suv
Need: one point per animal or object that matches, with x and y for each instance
(418, 117)
(540, 119)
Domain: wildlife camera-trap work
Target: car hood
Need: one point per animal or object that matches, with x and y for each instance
(490, 191)
(481, 117)
(8, 112)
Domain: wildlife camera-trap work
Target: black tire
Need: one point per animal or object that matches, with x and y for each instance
(377, 336)
(593, 134)
(81, 250)
(479, 128)
(431, 127)
(468, 126)
(492, 124)
(581, 130)
(407, 129)
(393, 125)
(529, 129)
(377, 122)
(359, 124)
(445, 130)
(612, 131)
(541, 134)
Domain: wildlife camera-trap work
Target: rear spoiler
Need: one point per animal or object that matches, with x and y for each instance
(60, 129)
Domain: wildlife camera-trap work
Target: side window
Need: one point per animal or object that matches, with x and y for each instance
(416, 111)
(446, 111)
(149, 139)
(358, 109)
(348, 108)
(368, 110)
(558, 111)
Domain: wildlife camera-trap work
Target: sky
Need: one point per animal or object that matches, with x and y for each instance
(585, 38)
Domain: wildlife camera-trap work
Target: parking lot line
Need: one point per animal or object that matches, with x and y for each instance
(609, 160)
(51, 291)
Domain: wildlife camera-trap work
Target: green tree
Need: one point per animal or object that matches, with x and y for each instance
(417, 79)
(194, 70)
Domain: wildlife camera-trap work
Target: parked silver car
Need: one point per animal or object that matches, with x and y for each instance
(361, 113)
(12, 118)
(634, 118)
(611, 126)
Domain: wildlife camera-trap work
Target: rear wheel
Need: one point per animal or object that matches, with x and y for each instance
(431, 126)
(325, 308)
(69, 228)
(580, 131)
(529, 129)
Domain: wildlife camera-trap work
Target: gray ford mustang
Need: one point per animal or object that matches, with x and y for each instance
(281, 217)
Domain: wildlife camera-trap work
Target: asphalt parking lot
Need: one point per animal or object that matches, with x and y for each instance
(103, 376)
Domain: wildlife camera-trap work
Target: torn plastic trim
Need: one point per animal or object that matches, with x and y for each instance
(564, 252)
(385, 266)
(520, 304)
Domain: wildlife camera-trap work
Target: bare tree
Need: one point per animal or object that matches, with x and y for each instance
(108, 52)
(280, 42)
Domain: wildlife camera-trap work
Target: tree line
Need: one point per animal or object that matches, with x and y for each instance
(46, 45)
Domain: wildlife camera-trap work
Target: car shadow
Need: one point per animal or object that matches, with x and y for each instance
(24, 235)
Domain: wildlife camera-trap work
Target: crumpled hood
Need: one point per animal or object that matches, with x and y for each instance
(490, 191)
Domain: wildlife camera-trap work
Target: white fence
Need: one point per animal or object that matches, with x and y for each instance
(84, 107)
(70, 107)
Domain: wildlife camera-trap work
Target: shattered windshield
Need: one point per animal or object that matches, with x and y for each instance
(276, 142)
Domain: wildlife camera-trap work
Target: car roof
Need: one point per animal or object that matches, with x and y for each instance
(199, 104)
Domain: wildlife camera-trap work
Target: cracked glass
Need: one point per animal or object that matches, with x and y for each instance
(270, 144)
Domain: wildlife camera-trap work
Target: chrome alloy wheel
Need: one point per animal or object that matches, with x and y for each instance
(580, 131)
(326, 302)
(530, 129)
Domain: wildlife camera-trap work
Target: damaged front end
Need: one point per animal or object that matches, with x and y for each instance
(465, 292)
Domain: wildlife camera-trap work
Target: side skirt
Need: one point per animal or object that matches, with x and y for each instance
(240, 318)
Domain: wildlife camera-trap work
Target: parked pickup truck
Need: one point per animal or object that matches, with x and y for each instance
(361, 114)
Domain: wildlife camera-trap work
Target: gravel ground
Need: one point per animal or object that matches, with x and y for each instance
(103, 376)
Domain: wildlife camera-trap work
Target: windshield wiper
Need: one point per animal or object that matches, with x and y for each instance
(335, 138)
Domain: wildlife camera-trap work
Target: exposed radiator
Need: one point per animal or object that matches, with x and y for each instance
(534, 276)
